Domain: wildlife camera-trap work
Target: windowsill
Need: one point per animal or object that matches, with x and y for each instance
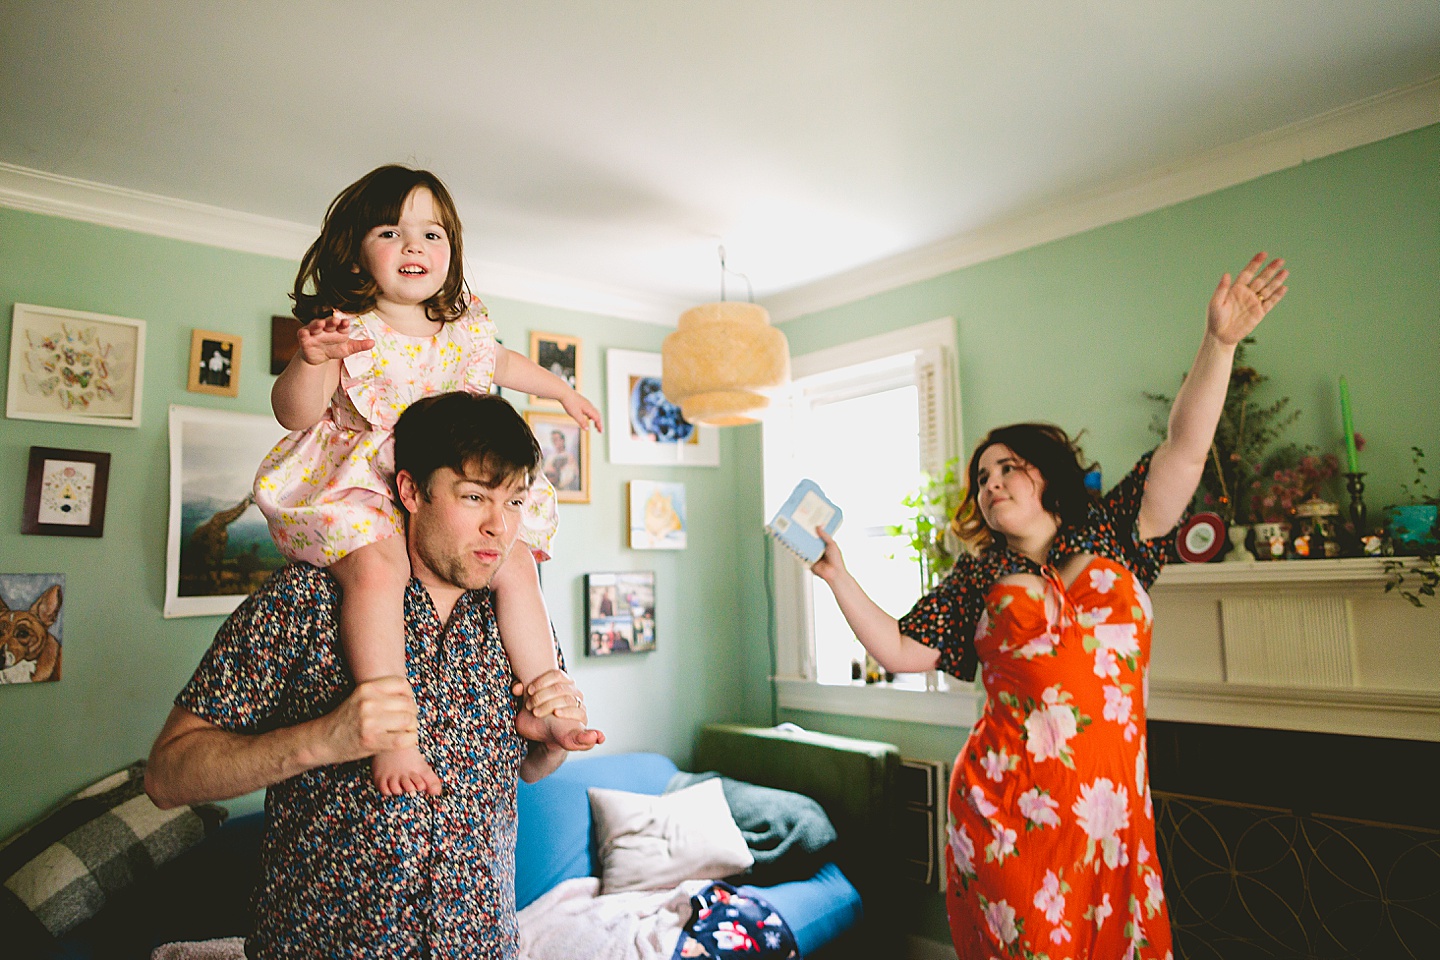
(880, 701)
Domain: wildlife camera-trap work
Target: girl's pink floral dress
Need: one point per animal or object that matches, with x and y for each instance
(326, 491)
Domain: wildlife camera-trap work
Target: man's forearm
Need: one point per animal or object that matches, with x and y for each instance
(196, 762)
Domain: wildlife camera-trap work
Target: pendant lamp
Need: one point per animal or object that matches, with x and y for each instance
(720, 357)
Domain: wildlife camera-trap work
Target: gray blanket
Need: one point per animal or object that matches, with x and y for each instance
(786, 832)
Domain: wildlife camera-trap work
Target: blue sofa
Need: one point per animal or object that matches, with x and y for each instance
(204, 893)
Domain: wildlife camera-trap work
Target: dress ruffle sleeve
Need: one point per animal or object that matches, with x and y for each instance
(946, 617)
(1145, 558)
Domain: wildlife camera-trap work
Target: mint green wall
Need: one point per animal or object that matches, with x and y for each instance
(1073, 331)
(123, 662)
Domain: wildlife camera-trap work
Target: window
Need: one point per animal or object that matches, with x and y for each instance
(862, 420)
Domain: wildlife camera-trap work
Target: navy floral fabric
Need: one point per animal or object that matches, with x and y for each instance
(348, 872)
(946, 617)
(729, 925)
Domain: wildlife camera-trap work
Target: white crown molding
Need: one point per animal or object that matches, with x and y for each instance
(1354, 125)
(36, 191)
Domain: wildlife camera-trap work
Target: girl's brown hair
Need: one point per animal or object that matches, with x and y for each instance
(331, 267)
(1049, 450)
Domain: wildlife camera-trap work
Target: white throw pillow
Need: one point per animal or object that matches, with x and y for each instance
(652, 843)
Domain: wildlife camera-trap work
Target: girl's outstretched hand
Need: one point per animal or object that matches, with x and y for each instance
(582, 411)
(1237, 308)
(328, 338)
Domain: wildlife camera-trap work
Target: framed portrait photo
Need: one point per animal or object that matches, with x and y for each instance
(65, 493)
(214, 363)
(619, 613)
(565, 452)
(643, 425)
(75, 367)
(559, 355)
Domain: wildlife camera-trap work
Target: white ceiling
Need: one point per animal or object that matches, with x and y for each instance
(608, 147)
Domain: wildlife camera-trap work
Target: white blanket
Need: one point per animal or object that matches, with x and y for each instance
(573, 922)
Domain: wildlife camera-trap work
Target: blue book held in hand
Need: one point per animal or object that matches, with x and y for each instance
(795, 522)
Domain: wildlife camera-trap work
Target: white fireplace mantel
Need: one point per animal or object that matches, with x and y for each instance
(1295, 644)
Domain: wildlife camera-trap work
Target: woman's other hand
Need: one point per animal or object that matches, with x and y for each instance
(1237, 308)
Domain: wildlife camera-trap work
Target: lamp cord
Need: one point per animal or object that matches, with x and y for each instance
(749, 290)
(770, 630)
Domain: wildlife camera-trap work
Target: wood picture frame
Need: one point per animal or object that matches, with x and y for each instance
(643, 426)
(65, 493)
(619, 613)
(70, 366)
(214, 363)
(284, 341)
(565, 453)
(559, 355)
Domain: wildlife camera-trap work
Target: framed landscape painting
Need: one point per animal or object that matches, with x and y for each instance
(219, 548)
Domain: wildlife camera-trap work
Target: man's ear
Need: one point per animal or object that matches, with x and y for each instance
(409, 491)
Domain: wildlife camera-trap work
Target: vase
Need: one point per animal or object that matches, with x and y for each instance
(1238, 554)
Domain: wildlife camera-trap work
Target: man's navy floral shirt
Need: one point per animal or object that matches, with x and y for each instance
(347, 872)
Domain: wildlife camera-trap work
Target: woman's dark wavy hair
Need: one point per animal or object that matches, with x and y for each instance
(329, 268)
(1049, 450)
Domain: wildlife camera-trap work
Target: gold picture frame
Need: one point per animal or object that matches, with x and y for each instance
(559, 355)
(565, 449)
(214, 363)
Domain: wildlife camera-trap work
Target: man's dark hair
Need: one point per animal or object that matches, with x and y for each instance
(460, 430)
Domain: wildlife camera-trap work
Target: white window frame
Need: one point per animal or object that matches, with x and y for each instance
(933, 345)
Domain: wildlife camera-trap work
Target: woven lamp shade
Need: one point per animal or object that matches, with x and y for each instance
(716, 360)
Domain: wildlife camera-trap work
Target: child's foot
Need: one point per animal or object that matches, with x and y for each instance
(567, 734)
(398, 772)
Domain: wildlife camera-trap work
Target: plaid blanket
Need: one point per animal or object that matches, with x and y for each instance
(60, 872)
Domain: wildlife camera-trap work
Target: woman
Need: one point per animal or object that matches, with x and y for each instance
(1052, 835)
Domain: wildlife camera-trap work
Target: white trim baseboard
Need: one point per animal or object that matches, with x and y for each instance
(1354, 125)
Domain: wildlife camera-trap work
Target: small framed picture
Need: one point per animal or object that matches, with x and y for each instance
(619, 613)
(565, 450)
(284, 341)
(561, 356)
(32, 610)
(214, 363)
(643, 425)
(65, 493)
(75, 367)
(657, 515)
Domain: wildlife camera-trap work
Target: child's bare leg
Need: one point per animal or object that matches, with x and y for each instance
(372, 631)
(525, 631)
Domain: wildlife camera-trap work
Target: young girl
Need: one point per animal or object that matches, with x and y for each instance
(388, 321)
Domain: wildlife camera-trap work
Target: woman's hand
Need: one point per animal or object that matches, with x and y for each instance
(1237, 308)
(831, 564)
(328, 338)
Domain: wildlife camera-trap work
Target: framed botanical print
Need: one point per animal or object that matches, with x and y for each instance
(70, 366)
(65, 493)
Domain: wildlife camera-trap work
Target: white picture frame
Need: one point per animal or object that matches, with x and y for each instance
(213, 458)
(629, 441)
(69, 366)
(657, 515)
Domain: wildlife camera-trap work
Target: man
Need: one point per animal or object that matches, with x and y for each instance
(347, 872)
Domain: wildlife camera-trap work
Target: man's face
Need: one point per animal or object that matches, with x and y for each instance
(461, 533)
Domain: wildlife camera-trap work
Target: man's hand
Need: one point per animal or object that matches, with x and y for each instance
(378, 715)
(553, 692)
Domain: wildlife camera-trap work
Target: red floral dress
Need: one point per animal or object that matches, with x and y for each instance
(1052, 833)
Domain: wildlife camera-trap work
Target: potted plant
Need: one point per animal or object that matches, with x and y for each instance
(1415, 533)
(927, 530)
